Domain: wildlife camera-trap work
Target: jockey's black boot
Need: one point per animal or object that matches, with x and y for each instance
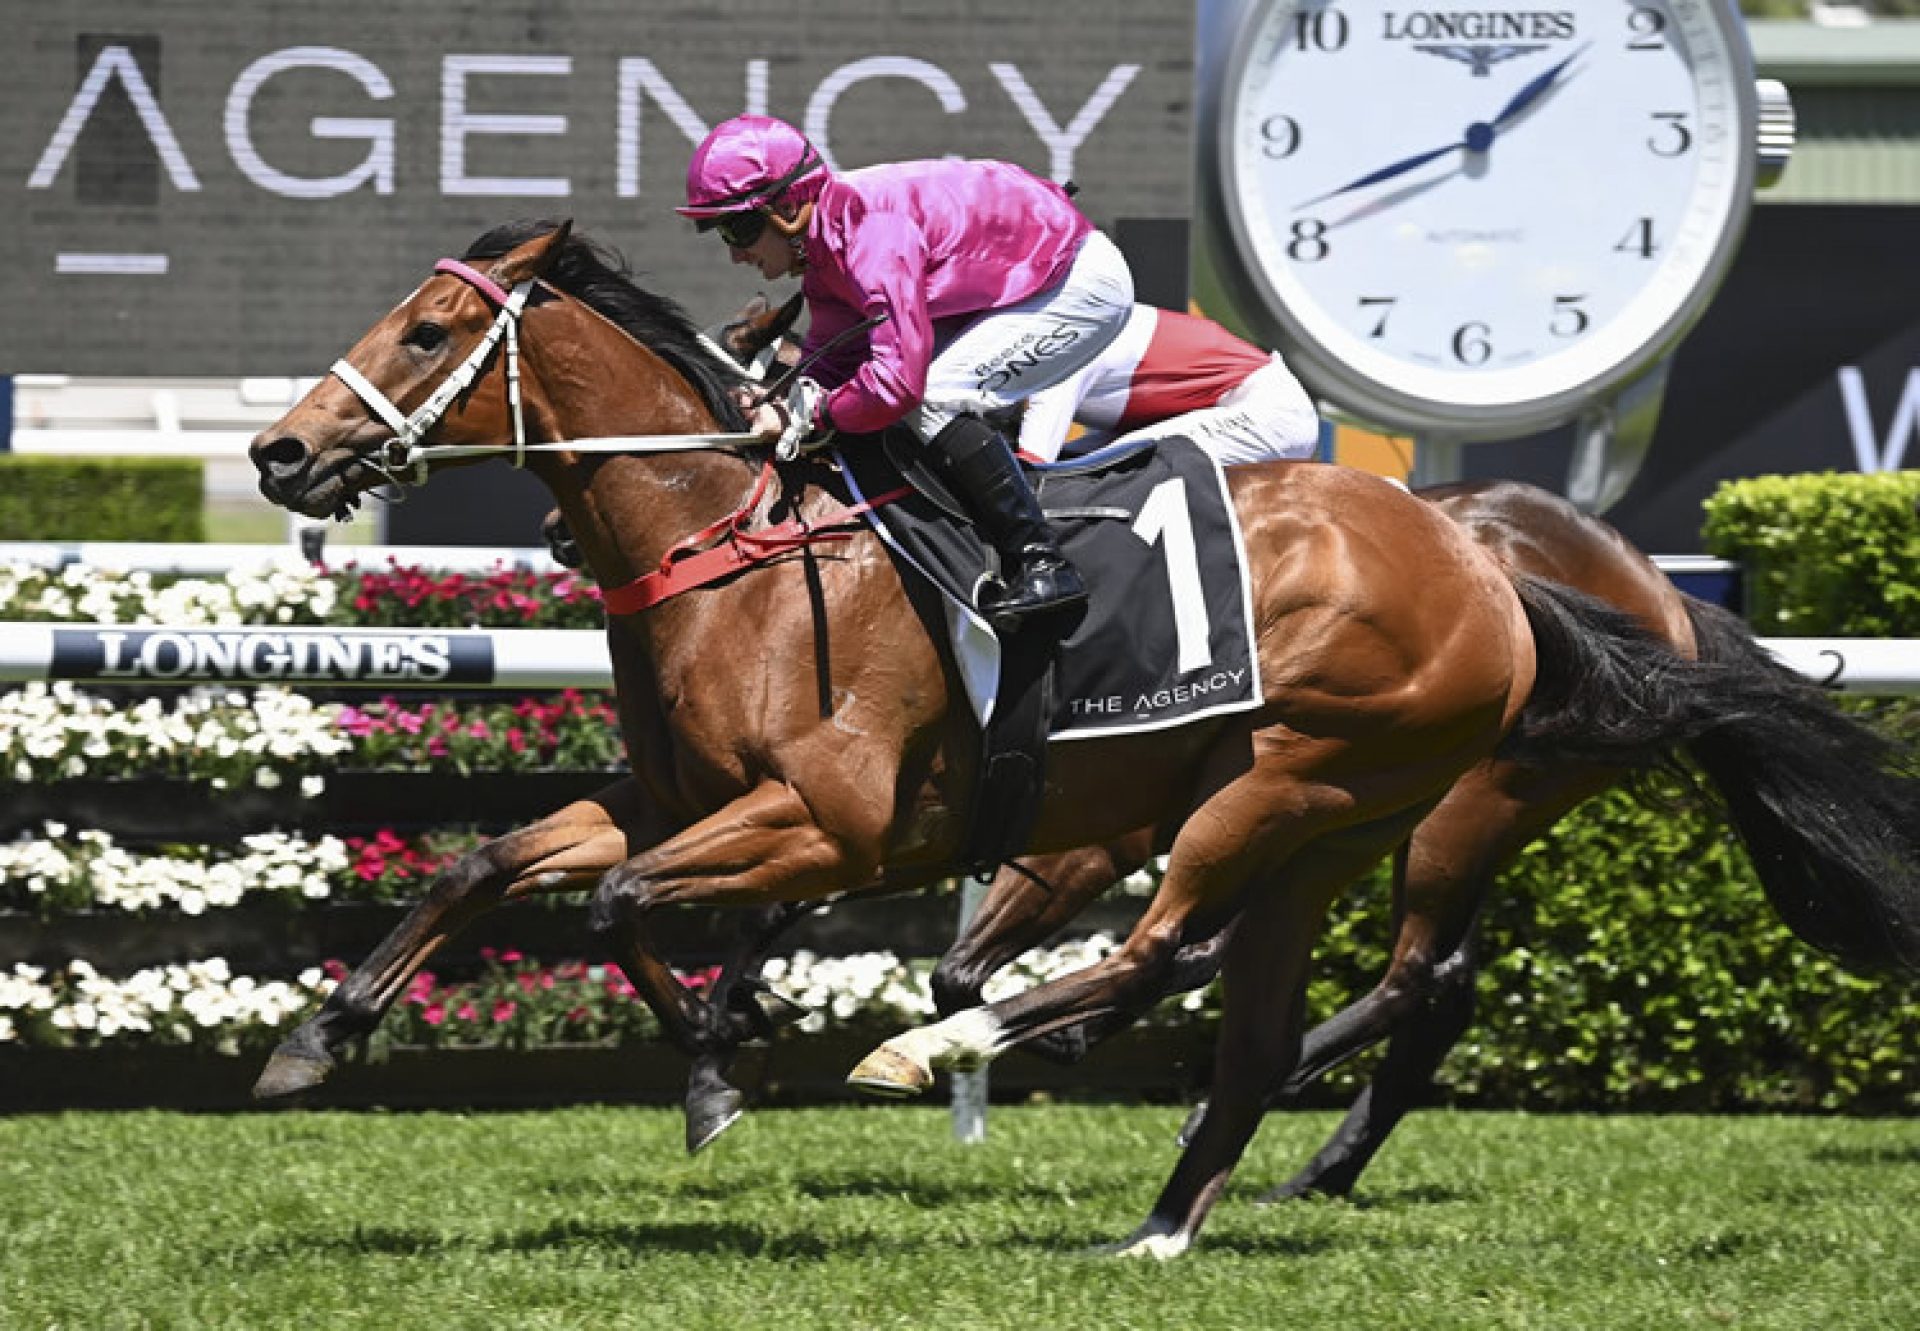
(972, 457)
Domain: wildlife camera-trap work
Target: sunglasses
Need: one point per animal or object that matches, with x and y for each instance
(741, 230)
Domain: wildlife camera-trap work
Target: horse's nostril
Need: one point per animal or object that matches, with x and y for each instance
(281, 453)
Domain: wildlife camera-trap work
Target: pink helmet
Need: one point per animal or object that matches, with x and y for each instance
(748, 162)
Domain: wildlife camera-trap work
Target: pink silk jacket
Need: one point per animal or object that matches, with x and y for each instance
(920, 242)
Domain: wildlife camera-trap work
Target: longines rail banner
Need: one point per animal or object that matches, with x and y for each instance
(145, 656)
(200, 188)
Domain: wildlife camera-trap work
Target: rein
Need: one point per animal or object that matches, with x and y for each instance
(686, 564)
(407, 461)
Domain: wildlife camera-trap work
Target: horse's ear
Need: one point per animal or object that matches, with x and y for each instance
(759, 325)
(530, 261)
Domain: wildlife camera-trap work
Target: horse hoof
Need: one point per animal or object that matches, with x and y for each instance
(776, 1009)
(1299, 1187)
(887, 1072)
(1148, 1241)
(287, 1073)
(711, 1117)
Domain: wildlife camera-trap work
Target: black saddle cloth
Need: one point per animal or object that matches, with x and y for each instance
(1166, 638)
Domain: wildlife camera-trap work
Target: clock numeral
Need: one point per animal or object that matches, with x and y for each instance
(1471, 345)
(1569, 320)
(1385, 304)
(1638, 240)
(1672, 137)
(1279, 137)
(1309, 243)
(1321, 30)
(1649, 29)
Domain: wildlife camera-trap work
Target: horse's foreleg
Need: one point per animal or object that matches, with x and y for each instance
(1029, 901)
(712, 1104)
(765, 846)
(566, 850)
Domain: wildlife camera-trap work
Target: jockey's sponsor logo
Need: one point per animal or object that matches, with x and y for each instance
(1478, 25)
(319, 656)
(1030, 351)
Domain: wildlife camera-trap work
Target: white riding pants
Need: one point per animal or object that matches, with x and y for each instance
(1005, 355)
(1265, 417)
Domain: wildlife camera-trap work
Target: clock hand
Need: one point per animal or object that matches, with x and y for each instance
(1478, 138)
(1531, 93)
(1399, 168)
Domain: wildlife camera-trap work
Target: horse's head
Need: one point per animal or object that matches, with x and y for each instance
(410, 378)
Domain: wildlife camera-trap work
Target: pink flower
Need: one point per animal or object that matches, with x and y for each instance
(504, 1010)
(467, 1012)
(433, 1014)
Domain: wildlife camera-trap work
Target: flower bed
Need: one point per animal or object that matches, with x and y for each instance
(292, 591)
(516, 1002)
(270, 737)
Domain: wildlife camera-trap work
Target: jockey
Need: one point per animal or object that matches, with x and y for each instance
(1024, 291)
(1174, 374)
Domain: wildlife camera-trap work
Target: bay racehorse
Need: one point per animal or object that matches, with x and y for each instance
(1827, 808)
(792, 728)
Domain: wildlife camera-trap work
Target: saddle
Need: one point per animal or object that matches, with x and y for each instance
(1165, 640)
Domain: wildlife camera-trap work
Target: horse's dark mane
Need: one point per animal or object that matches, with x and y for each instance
(599, 277)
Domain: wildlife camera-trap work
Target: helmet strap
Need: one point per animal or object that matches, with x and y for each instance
(795, 229)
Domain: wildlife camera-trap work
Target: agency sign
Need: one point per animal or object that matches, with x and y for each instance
(196, 195)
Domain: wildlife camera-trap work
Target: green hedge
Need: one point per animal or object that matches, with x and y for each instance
(101, 499)
(1825, 554)
(1630, 960)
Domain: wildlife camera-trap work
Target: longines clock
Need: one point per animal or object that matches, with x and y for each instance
(1474, 223)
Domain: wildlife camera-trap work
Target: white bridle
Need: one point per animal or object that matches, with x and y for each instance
(407, 461)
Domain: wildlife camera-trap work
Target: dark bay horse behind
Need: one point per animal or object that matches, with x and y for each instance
(1395, 655)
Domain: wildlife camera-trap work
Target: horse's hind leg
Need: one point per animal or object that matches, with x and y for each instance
(1264, 981)
(568, 849)
(1255, 818)
(1425, 1001)
(1420, 1042)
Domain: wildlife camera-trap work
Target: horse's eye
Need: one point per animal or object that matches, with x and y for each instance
(426, 336)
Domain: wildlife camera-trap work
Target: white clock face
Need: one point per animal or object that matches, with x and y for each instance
(1486, 209)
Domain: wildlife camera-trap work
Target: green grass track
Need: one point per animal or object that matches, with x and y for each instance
(874, 1217)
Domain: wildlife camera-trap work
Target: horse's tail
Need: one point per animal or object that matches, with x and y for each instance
(1828, 809)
